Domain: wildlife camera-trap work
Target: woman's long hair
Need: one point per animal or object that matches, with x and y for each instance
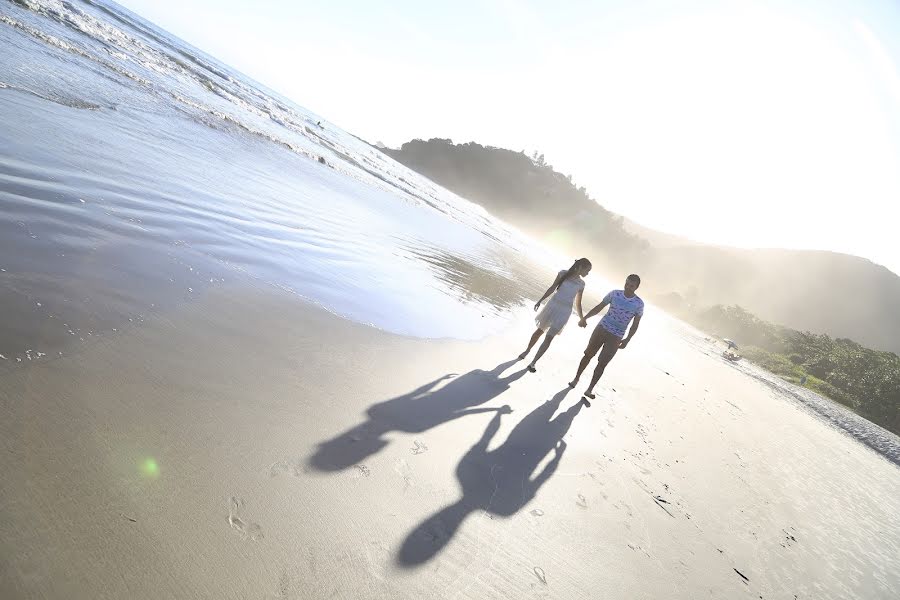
(575, 268)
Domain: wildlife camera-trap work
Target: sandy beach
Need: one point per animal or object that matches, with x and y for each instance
(250, 445)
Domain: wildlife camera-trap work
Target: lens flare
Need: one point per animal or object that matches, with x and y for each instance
(149, 468)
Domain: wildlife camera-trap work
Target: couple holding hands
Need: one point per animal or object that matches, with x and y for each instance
(609, 334)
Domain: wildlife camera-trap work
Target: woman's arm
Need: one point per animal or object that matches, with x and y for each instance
(578, 304)
(549, 291)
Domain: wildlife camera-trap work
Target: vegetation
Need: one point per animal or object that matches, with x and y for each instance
(865, 380)
(526, 192)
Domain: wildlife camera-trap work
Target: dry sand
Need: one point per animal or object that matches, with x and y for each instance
(252, 446)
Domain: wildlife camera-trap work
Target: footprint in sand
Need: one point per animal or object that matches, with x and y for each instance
(582, 502)
(539, 573)
(402, 468)
(289, 585)
(419, 448)
(281, 467)
(537, 513)
(278, 468)
(361, 471)
(247, 529)
(378, 559)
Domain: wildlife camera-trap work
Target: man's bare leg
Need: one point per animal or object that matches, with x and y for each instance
(593, 346)
(606, 355)
(581, 367)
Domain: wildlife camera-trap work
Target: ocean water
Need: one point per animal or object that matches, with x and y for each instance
(136, 171)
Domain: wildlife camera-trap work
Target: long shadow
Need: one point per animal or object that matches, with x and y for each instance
(501, 481)
(415, 412)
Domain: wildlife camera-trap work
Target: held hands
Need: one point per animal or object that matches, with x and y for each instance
(505, 410)
(582, 322)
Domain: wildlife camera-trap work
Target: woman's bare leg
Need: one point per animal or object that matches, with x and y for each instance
(534, 338)
(541, 351)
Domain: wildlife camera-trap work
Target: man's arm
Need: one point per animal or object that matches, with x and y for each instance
(631, 332)
(595, 310)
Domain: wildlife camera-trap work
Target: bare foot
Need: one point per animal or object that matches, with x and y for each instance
(523, 355)
(532, 368)
(573, 383)
(590, 394)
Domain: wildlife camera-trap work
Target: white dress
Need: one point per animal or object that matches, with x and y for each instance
(555, 314)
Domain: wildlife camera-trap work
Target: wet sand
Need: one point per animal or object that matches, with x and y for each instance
(250, 445)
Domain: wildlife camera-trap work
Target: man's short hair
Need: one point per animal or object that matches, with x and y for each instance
(634, 277)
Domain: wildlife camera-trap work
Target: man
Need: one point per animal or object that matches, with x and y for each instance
(624, 306)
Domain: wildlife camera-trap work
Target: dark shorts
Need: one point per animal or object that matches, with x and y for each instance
(604, 342)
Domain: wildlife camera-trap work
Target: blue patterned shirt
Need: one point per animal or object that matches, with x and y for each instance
(621, 310)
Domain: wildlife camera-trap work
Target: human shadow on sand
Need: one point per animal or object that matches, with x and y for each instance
(415, 412)
(500, 481)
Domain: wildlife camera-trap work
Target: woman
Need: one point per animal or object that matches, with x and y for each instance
(567, 289)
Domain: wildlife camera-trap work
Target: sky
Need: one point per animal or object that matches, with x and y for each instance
(754, 124)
